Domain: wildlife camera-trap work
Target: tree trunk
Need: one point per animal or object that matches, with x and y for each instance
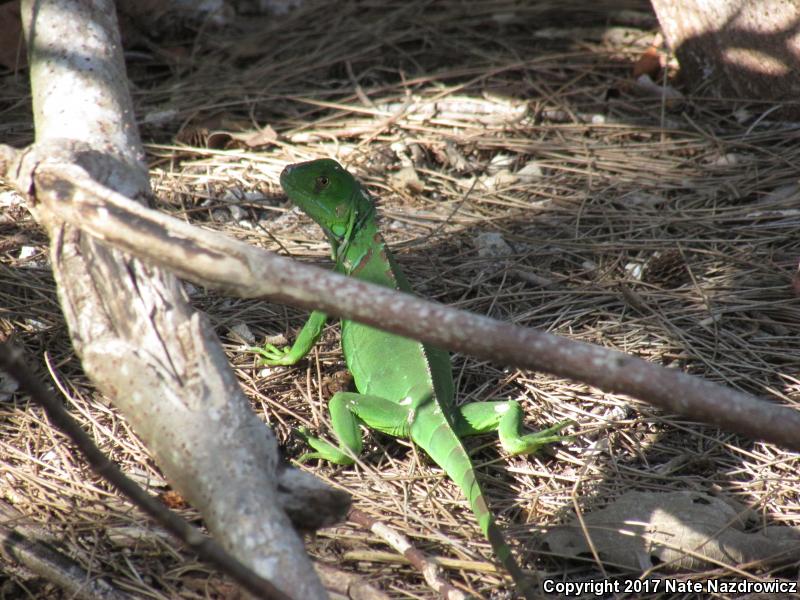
(747, 50)
(139, 340)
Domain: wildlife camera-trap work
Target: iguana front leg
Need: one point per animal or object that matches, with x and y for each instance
(348, 411)
(308, 336)
(505, 417)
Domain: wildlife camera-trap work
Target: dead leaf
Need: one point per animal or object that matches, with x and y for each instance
(173, 500)
(220, 131)
(649, 64)
(252, 139)
(339, 381)
(492, 244)
(499, 180)
(407, 178)
(197, 130)
(455, 158)
(531, 171)
(214, 131)
(676, 530)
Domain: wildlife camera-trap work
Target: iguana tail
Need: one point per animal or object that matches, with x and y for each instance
(442, 444)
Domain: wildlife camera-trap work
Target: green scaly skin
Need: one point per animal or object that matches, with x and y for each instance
(405, 388)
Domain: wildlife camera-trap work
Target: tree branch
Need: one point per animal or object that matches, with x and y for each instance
(130, 323)
(216, 261)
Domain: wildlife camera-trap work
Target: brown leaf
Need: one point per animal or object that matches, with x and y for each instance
(338, 382)
(261, 137)
(676, 530)
(220, 131)
(407, 178)
(649, 63)
(173, 500)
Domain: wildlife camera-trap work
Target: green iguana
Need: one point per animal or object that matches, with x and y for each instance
(405, 388)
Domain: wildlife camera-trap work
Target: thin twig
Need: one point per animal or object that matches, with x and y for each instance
(458, 564)
(12, 362)
(429, 569)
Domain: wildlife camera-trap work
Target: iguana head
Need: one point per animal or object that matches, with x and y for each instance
(327, 193)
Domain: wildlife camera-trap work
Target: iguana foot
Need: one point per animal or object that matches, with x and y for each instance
(505, 417)
(324, 450)
(274, 356)
(530, 443)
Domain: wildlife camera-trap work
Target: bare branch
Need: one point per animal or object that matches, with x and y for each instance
(216, 261)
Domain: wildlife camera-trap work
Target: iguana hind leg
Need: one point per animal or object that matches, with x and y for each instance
(505, 417)
(348, 410)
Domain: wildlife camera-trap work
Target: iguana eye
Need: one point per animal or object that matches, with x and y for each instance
(323, 181)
